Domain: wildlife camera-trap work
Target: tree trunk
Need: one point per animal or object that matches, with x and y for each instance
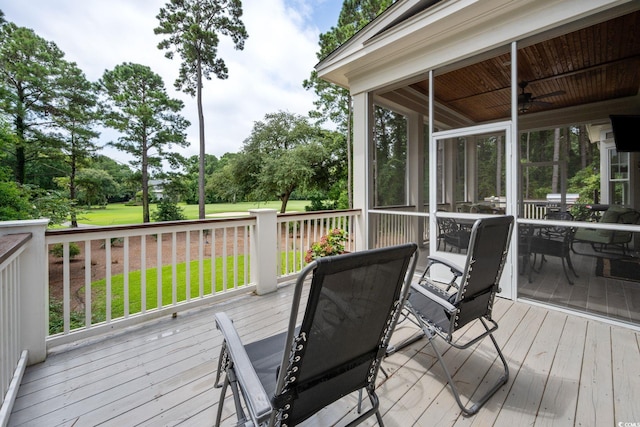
(285, 200)
(201, 178)
(145, 183)
(72, 190)
(583, 141)
(526, 176)
(556, 158)
(20, 170)
(499, 166)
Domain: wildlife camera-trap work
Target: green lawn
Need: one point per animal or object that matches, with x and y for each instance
(99, 287)
(119, 214)
(135, 286)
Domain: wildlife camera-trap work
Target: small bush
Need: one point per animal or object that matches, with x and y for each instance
(56, 318)
(168, 211)
(56, 250)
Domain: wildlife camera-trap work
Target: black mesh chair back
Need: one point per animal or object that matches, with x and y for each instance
(353, 303)
(485, 262)
(347, 317)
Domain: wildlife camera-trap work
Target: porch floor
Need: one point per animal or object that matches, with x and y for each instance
(564, 370)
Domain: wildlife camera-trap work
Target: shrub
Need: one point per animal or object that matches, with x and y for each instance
(56, 317)
(168, 211)
(330, 244)
(56, 250)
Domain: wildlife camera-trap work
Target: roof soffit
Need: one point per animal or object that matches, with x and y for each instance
(390, 16)
(459, 28)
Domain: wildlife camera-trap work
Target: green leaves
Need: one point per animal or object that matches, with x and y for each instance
(137, 105)
(191, 28)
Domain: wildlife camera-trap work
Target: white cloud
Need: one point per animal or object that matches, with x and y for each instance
(264, 77)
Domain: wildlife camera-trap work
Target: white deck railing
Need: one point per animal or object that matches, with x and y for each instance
(13, 356)
(398, 225)
(132, 273)
(128, 274)
(296, 233)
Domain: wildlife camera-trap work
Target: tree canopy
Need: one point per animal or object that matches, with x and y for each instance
(284, 153)
(31, 69)
(137, 105)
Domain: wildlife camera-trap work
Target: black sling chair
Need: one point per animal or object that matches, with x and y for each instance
(353, 305)
(441, 308)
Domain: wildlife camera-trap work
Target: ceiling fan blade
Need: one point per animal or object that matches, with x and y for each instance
(541, 103)
(547, 95)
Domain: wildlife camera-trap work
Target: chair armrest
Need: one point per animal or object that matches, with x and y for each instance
(256, 397)
(433, 297)
(455, 268)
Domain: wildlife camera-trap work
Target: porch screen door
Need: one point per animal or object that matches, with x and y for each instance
(474, 177)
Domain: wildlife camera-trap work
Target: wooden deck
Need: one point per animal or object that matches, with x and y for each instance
(565, 370)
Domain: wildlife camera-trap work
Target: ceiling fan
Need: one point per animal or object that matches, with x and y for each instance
(526, 99)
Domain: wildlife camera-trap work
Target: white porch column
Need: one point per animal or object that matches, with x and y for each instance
(264, 261)
(362, 161)
(34, 289)
(415, 175)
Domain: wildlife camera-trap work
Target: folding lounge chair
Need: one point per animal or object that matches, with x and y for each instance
(442, 308)
(353, 305)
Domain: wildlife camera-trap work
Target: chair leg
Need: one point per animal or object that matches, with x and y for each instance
(223, 392)
(375, 409)
(475, 407)
(233, 382)
(222, 358)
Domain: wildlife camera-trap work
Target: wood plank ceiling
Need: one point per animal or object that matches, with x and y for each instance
(594, 64)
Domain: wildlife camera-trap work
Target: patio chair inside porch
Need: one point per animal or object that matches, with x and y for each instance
(602, 240)
(353, 303)
(452, 233)
(553, 241)
(441, 308)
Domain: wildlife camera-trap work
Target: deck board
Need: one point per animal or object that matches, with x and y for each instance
(564, 370)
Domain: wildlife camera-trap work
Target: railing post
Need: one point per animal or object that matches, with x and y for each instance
(264, 251)
(34, 307)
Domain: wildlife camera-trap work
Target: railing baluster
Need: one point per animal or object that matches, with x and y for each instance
(66, 285)
(143, 273)
(247, 233)
(224, 260)
(235, 257)
(126, 276)
(201, 252)
(107, 247)
(87, 284)
(159, 271)
(187, 265)
(174, 272)
(214, 279)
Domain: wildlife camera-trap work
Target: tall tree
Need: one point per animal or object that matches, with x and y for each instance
(74, 116)
(137, 105)
(192, 28)
(30, 70)
(334, 102)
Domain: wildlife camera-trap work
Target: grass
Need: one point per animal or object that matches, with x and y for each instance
(151, 298)
(99, 289)
(119, 214)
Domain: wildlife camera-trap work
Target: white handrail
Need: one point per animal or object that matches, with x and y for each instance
(13, 356)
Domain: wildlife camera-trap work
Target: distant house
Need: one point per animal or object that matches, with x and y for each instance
(156, 189)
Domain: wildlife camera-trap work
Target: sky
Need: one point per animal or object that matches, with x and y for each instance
(265, 77)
